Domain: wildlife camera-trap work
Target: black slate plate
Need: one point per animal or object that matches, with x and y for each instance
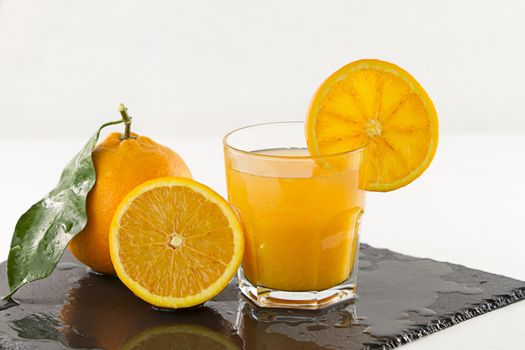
(401, 299)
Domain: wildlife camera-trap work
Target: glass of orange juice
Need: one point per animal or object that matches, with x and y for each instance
(300, 213)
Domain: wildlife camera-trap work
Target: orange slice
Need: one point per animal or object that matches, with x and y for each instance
(175, 242)
(378, 105)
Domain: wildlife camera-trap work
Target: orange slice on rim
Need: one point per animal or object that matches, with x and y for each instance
(175, 242)
(377, 105)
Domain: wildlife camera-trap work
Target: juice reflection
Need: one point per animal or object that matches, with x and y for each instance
(285, 329)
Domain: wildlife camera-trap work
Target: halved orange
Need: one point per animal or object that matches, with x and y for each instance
(378, 105)
(175, 242)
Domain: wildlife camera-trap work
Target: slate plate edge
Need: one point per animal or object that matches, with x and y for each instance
(449, 320)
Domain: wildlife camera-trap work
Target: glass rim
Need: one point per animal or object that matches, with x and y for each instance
(256, 154)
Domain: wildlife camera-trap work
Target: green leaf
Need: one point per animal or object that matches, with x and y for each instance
(43, 232)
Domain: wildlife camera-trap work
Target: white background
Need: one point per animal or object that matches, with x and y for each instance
(203, 67)
(190, 71)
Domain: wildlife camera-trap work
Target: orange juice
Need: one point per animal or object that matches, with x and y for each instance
(300, 218)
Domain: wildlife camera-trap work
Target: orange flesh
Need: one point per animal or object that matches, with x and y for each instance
(378, 105)
(174, 242)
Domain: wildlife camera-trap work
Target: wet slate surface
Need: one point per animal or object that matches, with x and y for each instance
(401, 299)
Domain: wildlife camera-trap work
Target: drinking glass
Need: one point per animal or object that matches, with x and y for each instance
(300, 214)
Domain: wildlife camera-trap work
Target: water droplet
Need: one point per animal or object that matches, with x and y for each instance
(69, 266)
(317, 327)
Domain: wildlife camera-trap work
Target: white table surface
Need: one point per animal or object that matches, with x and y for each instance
(467, 209)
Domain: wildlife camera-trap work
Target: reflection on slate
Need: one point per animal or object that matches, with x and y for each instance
(401, 299)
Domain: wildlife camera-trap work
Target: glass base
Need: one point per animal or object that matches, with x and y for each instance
(310, 300)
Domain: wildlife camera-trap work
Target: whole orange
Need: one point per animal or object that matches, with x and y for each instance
(120, 165)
